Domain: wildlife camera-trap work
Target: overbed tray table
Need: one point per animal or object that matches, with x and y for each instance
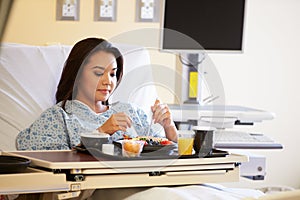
(74, 171)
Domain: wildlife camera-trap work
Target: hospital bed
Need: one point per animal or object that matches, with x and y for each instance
(29, 76)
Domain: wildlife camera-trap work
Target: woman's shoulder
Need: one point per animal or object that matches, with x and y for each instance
(57, 108)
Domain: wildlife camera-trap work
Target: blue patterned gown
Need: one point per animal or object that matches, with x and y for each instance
(58, 129)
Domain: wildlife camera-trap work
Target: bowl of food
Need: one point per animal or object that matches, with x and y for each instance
(95, 140)
(132, 148)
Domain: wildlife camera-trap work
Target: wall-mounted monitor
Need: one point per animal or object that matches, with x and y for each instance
(210, 25)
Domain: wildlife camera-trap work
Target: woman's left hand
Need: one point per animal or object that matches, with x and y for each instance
(161, 114)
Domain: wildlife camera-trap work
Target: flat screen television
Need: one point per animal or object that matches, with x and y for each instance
(207, 25)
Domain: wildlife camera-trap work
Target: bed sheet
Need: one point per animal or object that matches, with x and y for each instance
(197, 192)
(211, 191)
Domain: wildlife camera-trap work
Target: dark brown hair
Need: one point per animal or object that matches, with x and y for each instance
(78, 57)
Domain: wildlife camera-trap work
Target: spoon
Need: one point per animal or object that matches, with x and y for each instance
(151, 122)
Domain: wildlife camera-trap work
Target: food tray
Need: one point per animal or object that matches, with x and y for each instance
(159, 154)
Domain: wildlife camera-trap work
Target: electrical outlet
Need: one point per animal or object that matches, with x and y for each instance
(69, 8)
(106, 8)
(147, 9)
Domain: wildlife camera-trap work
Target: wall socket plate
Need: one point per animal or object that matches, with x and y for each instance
(67, 10)
(105, 10)
(147, 10)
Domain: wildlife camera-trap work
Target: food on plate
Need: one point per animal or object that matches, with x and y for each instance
(149, 140)
(149, 145)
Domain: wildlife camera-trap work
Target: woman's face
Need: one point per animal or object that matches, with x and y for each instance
(98, 78)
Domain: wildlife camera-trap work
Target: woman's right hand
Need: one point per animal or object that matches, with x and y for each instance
(117, 122)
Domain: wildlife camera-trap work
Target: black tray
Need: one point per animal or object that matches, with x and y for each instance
(146, 156)
(13, 164)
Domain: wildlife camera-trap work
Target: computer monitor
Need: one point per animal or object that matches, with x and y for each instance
(209, 25)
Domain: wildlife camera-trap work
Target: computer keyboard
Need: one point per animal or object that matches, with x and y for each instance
(241, 140)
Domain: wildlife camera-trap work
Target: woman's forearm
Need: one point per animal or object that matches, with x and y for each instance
(171, 132)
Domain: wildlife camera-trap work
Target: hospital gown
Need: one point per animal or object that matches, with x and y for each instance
(58, 129)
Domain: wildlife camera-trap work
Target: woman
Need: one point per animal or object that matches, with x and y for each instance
(91, 73)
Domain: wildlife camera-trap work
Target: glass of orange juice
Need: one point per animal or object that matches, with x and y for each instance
(185, 142)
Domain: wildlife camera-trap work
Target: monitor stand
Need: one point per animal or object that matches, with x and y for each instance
(191, 77)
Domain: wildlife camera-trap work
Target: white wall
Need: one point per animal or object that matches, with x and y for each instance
(266, 76)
